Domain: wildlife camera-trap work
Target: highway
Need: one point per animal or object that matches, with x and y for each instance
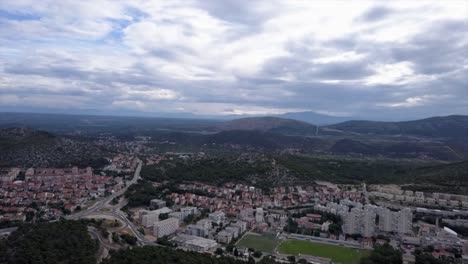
(103, 208)
(105, 201)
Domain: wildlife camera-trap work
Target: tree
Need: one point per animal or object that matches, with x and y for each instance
(229, 248)
(63, 242)
(129, 239)
(383, 254)
(219, 251)
(292, 259)
(257, 254)
(163, 216)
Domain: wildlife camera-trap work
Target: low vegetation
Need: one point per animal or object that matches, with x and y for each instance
(150, 255)
(337, 254)
(262, 243)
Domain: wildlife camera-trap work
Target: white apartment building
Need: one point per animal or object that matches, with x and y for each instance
(217, 217)
(148, 218)
(165, 227)
(259, 215)
(206, 223)
(360, 221)
(400, 222)
(241, 224)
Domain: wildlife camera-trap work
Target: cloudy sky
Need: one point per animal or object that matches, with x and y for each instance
(376, 59)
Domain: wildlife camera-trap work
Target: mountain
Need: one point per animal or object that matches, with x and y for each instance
(454, 126)
(315, 118)
(270, 124)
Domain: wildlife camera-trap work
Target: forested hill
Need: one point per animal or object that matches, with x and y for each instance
(29, 147)
(455, 126)
(64, 242)
(270, 124)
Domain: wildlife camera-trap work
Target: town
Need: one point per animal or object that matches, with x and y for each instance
(242, 220)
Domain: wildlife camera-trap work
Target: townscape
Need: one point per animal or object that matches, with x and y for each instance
(234, 218)
(233, 132)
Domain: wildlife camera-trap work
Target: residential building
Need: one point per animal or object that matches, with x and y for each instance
(217, 217)
(165, 227)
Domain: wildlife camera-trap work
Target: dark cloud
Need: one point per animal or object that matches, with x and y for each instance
(376, 13)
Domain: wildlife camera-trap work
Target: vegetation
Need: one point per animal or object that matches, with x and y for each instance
(383, 254)
(150, 255)
(49, 243)
(261, 243)
(213, 170)
(427, 258)
(448, 126)
(337, 254)
(378, 171)
(27, 147)
(141, 194)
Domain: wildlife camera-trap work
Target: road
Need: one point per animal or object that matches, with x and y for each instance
(103, 208)
(105, 201)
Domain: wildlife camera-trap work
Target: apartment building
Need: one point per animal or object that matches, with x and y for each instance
(165, 227)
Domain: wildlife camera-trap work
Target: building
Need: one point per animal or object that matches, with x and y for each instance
(259, 215)
(224, 237)
(9, 175)
(404, 221)
(53, 173)
(234, 230)
(197, 230)
(186, 211)
(360, 221)
(217, 217)
(165, 227)
(205, 223)
(148, 218)
(157, 203)
(399, 222)
(195, 243)
(242, 226)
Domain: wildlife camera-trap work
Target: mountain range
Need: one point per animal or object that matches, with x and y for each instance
(436, 138)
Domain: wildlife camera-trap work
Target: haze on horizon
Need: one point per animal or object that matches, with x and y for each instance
(368, 59)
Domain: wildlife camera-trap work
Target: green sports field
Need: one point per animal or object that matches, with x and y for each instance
(338, 254)
(259, 242)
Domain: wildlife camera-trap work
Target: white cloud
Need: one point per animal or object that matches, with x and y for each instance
(172, 55)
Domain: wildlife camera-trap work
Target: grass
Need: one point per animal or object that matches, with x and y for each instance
(337, 254)
(259, 242)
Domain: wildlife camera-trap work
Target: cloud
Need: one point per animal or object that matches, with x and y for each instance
(367, 59)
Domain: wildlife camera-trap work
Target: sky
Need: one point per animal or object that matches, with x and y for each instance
(367, 59)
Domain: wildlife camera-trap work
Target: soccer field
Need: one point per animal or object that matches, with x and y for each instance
(259, 242)
(338, 254)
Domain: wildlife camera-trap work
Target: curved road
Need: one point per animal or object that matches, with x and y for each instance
(97, 209)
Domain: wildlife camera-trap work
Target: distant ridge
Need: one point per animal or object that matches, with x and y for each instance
(316, 118)
(270, 124)
(454, 126)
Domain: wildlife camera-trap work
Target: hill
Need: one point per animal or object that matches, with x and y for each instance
(270, 124)
(315, 118)
(55, 242)
(455, 126)
(28, 147)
